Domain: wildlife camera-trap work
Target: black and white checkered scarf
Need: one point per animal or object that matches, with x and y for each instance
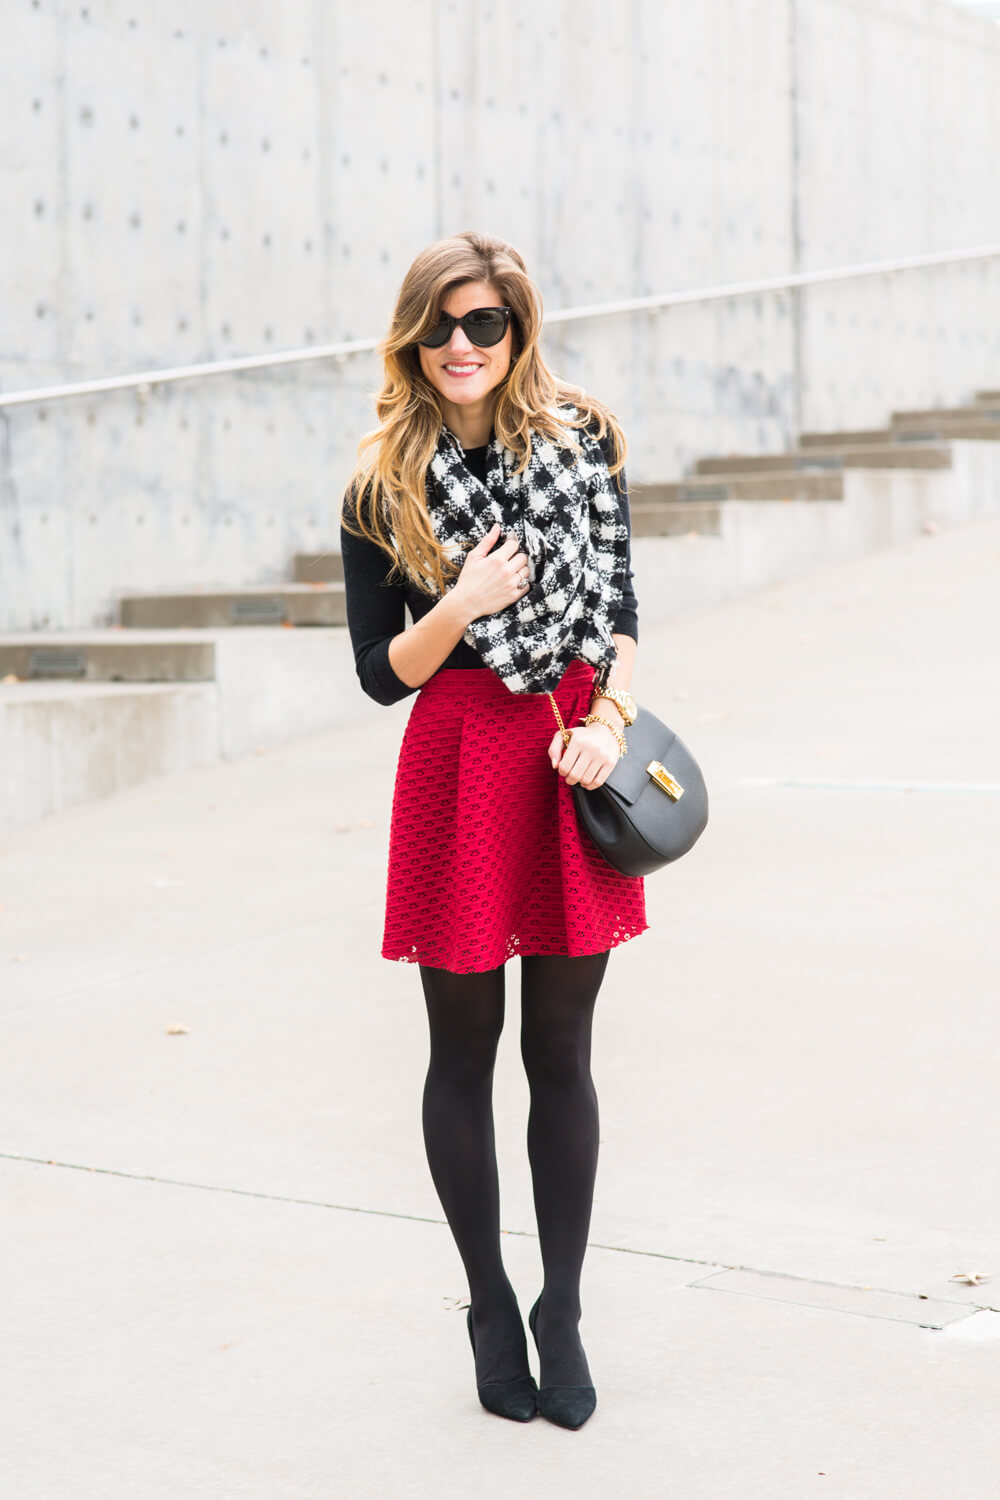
(565, 511)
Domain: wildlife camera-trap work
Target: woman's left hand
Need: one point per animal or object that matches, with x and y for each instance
(589, 758)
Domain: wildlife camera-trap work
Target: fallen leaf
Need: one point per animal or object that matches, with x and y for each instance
(971, 1278)
(177, 1029)
(11, 678)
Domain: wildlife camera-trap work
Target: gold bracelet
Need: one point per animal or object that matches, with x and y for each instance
(596, 719)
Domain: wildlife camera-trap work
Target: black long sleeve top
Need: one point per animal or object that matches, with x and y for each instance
(376, 608)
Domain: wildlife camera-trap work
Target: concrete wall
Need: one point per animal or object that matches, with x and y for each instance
(223, 177)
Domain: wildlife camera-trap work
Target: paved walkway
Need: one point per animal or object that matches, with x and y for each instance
(224, 1268)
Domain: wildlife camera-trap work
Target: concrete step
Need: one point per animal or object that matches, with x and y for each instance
(866, 456)
(845, 439)
(318, 567)
(940, 429)
(783, 485)
(66, 743)
(988, 398)
(978, 411)
(674, 519)
(114, 655)
(258, 604)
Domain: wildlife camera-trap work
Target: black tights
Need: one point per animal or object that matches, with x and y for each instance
(466, 1014)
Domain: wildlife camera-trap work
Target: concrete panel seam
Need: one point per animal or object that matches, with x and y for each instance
(966, 1309)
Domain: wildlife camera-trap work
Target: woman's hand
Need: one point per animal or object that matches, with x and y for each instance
(490, 580)
(589, 758)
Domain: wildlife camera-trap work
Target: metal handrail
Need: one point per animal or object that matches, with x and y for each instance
(144, 381)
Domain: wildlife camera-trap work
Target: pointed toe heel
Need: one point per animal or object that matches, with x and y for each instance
(517, 1399)
(567, 1405)
(564, 1405)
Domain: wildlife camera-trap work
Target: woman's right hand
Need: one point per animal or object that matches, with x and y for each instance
(491, 576)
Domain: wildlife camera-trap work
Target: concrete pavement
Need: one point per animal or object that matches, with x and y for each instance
(225, 1269)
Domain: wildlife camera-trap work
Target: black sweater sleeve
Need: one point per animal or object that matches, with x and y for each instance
(626, 622)
(376, 611)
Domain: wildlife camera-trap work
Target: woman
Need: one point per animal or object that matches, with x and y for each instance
(490, 503)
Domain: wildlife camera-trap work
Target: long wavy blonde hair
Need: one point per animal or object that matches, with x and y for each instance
(386, 497)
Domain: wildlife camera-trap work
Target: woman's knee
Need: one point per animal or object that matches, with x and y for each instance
(555, 1055)
(468, 1059)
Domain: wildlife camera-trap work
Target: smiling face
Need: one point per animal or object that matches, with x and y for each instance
(466, 377)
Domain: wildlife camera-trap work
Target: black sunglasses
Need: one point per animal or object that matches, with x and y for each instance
(482, 326)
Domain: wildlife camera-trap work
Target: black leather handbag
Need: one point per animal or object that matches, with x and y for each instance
(654, 805)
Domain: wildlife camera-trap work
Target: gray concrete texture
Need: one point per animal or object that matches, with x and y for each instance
(226, 1269)
(219, 179)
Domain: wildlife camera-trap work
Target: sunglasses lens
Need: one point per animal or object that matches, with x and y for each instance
(439, 335)
(485, 326)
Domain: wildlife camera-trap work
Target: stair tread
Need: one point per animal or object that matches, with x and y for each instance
(62, 687)
(138, 635)
(836, 450)
(222, 590)
(975, 411)
(783, 477)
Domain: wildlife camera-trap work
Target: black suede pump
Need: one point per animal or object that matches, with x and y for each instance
(565, 1405)
(515, 1399)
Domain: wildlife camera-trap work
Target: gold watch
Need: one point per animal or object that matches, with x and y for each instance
(624, 702)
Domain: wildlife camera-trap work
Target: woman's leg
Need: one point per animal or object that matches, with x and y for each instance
(466, 1013)
(557, 1008)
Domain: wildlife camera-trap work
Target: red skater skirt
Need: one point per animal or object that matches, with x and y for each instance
(486, 858)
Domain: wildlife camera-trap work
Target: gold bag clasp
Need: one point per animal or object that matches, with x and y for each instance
(665, 781)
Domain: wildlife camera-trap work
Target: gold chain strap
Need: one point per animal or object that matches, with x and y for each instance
(566, 733)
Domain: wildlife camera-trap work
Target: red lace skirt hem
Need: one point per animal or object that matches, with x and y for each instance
(486, 857)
